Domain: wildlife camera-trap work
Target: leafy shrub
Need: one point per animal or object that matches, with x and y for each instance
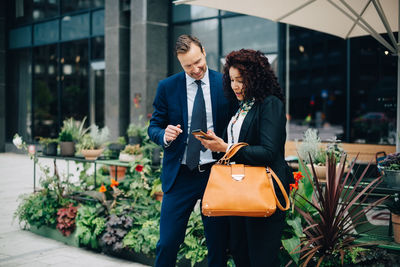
(116, 229)
(143, 237)
(339, 209)
(391, 162)
(89, 224)
(66, 219)
(37, 209)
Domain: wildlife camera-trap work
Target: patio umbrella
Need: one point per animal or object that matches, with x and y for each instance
(342, 18)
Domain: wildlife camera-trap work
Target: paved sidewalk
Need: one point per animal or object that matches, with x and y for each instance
(23, 248)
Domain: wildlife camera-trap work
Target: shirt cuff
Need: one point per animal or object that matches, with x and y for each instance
(229, 147)
(166, 143)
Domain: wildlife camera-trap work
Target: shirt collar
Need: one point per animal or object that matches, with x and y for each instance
(190, 80)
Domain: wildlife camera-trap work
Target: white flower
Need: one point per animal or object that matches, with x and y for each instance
(17, 140)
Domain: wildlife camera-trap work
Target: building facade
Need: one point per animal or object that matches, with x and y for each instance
(102, 59)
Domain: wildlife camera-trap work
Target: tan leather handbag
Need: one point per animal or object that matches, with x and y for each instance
(241, 190)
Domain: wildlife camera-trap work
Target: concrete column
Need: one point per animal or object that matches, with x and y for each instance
(117, 67)
(149, 54)
(2, 75)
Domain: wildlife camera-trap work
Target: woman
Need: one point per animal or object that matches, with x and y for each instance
(260, 121)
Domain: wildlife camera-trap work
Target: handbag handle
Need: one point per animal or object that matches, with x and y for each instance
(285, 196)
(233, 150)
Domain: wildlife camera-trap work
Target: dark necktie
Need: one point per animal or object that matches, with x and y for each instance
(199, 121)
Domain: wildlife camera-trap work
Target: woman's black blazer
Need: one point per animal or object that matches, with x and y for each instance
(264, 129)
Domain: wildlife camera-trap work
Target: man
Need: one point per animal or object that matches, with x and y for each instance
(184, 102)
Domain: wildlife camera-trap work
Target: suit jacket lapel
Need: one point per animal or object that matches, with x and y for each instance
(183, 100)
(214, 96)
(247, 122)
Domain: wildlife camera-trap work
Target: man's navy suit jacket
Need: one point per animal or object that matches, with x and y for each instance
(170, 107)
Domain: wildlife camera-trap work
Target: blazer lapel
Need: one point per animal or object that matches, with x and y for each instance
(247, 122)
(214, 97)
(183, 100)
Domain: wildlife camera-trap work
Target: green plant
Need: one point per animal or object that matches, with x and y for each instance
(65, 136)
(89, 224)
(40, 208)
(121, 140)
(338, 210)
(156, 187)
(311, 145)
(134, 130)
(37, 209)
(194, 246)
(391, 162)
(132, 150)
(293, 230)
(47, 141)
(66, 219)
(95, 139)
(393, 204)
(72, 129)
(143, 236)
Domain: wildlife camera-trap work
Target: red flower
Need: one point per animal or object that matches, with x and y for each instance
(139, 168)
(114, 182)
(297, 176)
(294, 186)
(102, 189)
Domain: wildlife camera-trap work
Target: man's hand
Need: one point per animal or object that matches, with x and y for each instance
(172, 132)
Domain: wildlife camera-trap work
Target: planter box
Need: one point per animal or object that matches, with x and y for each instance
(48, 232)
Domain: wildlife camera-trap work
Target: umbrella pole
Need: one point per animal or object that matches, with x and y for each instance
(287, 78)
(398, 84)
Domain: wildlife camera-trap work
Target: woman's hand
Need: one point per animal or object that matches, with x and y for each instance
(215, 143)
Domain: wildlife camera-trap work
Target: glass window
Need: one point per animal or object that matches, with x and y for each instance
(98, 47)
(75, 5)
(18, 94)
(75, 27)
(317, 83)
(187, 12)
(20, 37)
(21, 11)
(43, 9)
(74, 79)
(373, 93)
(249, 32)
(45, 33)
(98, 22)
(45, 108)
(207, 32)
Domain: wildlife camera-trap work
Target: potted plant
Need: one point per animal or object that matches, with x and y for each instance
(71, 132)
(393, 204)
(156, 190)
(336, 213)
(91, 143)
(116, 147)
(134, 133)
(49, 146)
(130, 153)
(390, 167)
(311, 150)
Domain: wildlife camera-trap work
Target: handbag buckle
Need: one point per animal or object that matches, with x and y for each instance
(237, 177)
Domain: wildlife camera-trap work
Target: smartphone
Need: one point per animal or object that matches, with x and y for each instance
(201, 134)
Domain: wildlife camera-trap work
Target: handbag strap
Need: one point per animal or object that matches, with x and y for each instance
(278, 181)
(231, 152)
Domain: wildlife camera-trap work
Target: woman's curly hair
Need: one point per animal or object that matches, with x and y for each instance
(259, 81)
